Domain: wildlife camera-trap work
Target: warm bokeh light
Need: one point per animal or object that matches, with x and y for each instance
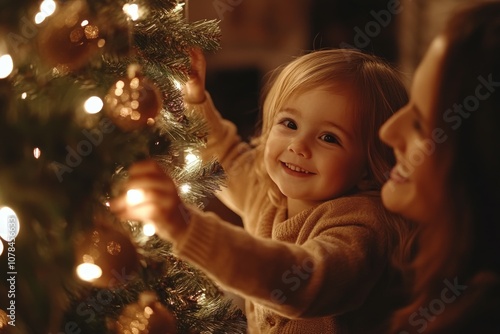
(177, 84)
(6, 66)
(37, 152)
(148, 229)
(40, 17)
(179, 7)
(135, 196)
(9, 224)
(132, 10)
(1, 249)
(93, 105)
(191, 158)
(48, 7)
(88, 271)
(185, 188)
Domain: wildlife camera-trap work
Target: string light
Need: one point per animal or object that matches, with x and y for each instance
(37, 152)
(47, 8)
(191, 159)
(177, 84)
(179, 7)
(40, 17)
(93, 105)
(132, 10)
(88, 271)
(135, 196)
(6, 66)
(185, 188)
(9, 224)
(148, 229)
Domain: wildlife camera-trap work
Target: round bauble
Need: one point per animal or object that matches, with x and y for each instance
(70, 37)
(106, 257)
(133, 102)
(147, 316)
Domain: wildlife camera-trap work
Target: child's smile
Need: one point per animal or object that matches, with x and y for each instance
(296, 170)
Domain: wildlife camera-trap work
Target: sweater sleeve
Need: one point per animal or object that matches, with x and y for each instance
(332, 272)
(235, 156)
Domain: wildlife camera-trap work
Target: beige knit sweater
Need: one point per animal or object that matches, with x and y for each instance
(324, 270)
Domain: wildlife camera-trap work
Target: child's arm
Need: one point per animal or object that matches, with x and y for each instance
(331, 271)
(223, 143)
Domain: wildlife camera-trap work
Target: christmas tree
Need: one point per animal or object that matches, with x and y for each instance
(87, 87)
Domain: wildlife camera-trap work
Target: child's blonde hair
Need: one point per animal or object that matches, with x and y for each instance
(374, 88)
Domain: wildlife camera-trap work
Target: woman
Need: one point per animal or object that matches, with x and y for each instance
(447, 145)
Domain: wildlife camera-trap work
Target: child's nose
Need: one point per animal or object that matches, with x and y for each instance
(300, 147)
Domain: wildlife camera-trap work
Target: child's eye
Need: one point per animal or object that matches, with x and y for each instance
(289, 124)
(329, 138)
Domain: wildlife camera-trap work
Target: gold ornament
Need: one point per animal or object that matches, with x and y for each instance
(147, 316)
(106, 257)
(133, 102)
(70, 37)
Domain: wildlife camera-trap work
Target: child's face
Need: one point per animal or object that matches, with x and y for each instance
(312, 153)
(416, 186)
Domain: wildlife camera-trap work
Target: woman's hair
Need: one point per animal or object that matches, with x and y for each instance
(375, 91)
(469, 242)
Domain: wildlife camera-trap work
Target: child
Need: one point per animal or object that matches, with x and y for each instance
(315, 254)
(447, 177)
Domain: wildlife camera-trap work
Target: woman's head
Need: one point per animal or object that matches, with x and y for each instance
(446, 141)
(371, 89)
(445, 137)
(416, 187)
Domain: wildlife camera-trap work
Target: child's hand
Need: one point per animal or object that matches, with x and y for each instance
(194, 91)
(157, 201)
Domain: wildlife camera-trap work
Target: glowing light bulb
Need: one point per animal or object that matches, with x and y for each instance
(6, 66)
(9, 224)
(135, 196)
(40, 17)
(88, 271)
(37, 153)
(148, 229)
(177, 84)
(48, 7)
(179, 7)
(24, 95)
(185, 188)
(93, 105)
(191, 158)
(132, 10)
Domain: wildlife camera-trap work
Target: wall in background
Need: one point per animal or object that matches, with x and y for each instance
(419, 23)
